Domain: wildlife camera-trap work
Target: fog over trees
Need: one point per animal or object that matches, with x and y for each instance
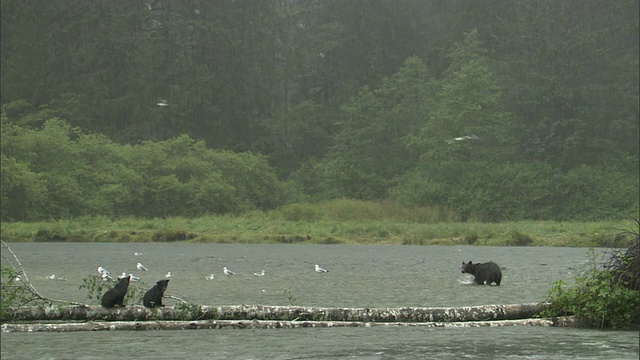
(495, 109)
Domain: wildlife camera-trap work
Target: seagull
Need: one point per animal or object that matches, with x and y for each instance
(163, 103)
(168, 274)
(102, 271)
(259, 274)
(210, 277)
(131, 276)
(52, 277)
(227, 271)
(137, 253)
(320, 270)
(463, 138)
(141, 267)
(17, 278)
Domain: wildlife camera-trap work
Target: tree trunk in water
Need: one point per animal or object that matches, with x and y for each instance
(260, 324)
(279, 313)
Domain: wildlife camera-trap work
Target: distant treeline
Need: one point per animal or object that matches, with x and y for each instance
(59, 172)
(494, 110)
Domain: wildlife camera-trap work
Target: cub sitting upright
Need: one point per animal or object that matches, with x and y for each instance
(153, 297)
(487, 272)
(115, 295)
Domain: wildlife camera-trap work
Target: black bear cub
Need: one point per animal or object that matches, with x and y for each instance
(153, 297)
(483, 272)
(115, 295)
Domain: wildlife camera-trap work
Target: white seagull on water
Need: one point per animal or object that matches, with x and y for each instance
(131, 277)
(103, 271)
(227, 271)
(141, 267)
(210, 277)
(259, 274)
(320, 270)
(168, 275)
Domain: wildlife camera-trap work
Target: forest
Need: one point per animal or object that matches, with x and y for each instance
(495, 110)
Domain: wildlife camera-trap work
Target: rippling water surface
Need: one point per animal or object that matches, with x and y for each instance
(359, 276)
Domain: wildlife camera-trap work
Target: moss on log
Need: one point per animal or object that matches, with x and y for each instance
(260, 324)
(278, 313)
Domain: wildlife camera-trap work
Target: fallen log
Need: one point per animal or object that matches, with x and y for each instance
(278, 313)
(260, 324)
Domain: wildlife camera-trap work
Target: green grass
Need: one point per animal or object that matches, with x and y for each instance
(334, 222)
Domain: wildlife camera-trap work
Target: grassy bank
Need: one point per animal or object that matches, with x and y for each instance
(336, 222)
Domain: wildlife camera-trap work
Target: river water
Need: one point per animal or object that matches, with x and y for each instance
(359, 276)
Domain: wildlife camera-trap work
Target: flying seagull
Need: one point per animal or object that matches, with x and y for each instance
(227, 271)
(141, 267)
(463, 138)
(320, 270)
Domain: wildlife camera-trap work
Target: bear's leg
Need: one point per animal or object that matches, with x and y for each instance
(479, 281)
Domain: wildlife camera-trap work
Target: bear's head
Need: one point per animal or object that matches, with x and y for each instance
(468, 268)
(162, 284)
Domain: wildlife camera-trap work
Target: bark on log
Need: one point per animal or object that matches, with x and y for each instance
(261, 324)
(279, 313)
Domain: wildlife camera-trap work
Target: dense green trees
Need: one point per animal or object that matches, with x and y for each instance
(58, 172)
(496, 110)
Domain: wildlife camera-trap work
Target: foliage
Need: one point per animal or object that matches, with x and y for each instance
(184, 110)
(603, 297)
(12, 292)
(94, 176)
(188, 311)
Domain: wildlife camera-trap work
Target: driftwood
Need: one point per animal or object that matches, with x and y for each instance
(96, 318)
(261, 324)
(278, 313)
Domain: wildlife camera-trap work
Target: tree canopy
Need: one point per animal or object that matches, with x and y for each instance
(496, 109)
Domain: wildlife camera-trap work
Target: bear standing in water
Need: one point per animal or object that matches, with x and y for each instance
(483, 272)
(115, 295)
(153, 297)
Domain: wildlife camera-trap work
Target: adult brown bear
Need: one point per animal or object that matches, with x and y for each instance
(483, 272)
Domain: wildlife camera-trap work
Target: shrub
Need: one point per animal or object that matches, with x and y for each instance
(12, 292)
(607, 297)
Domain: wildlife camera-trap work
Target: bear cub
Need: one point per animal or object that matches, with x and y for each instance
(115, 295)
(153, 297)
(483, 272)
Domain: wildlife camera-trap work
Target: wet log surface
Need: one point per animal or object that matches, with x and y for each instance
(93, 318)
(281, 313)
(260, 324)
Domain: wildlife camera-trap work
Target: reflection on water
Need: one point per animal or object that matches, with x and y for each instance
(359, 276)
